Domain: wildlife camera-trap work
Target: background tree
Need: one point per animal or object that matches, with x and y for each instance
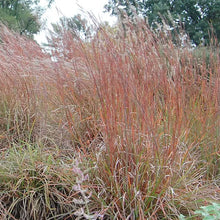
(77, 25)
(74, 28)
(198, 17)
(22, 15)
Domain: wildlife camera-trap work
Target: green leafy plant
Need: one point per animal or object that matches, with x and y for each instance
(210, 212)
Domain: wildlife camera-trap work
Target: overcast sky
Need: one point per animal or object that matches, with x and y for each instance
(70, 8)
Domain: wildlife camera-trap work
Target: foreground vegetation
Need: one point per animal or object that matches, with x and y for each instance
(121, 127)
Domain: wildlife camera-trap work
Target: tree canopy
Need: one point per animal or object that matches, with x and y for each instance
(77, 24)
(199, 18)
(22, 15)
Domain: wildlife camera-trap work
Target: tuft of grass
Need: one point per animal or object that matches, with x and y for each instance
(159, 116)
(36, 184)
(140, 114)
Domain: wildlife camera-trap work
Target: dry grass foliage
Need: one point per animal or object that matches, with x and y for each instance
(118, 127)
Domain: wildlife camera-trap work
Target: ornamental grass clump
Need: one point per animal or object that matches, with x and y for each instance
(159, 122)
(24, 87)
(139, 113)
